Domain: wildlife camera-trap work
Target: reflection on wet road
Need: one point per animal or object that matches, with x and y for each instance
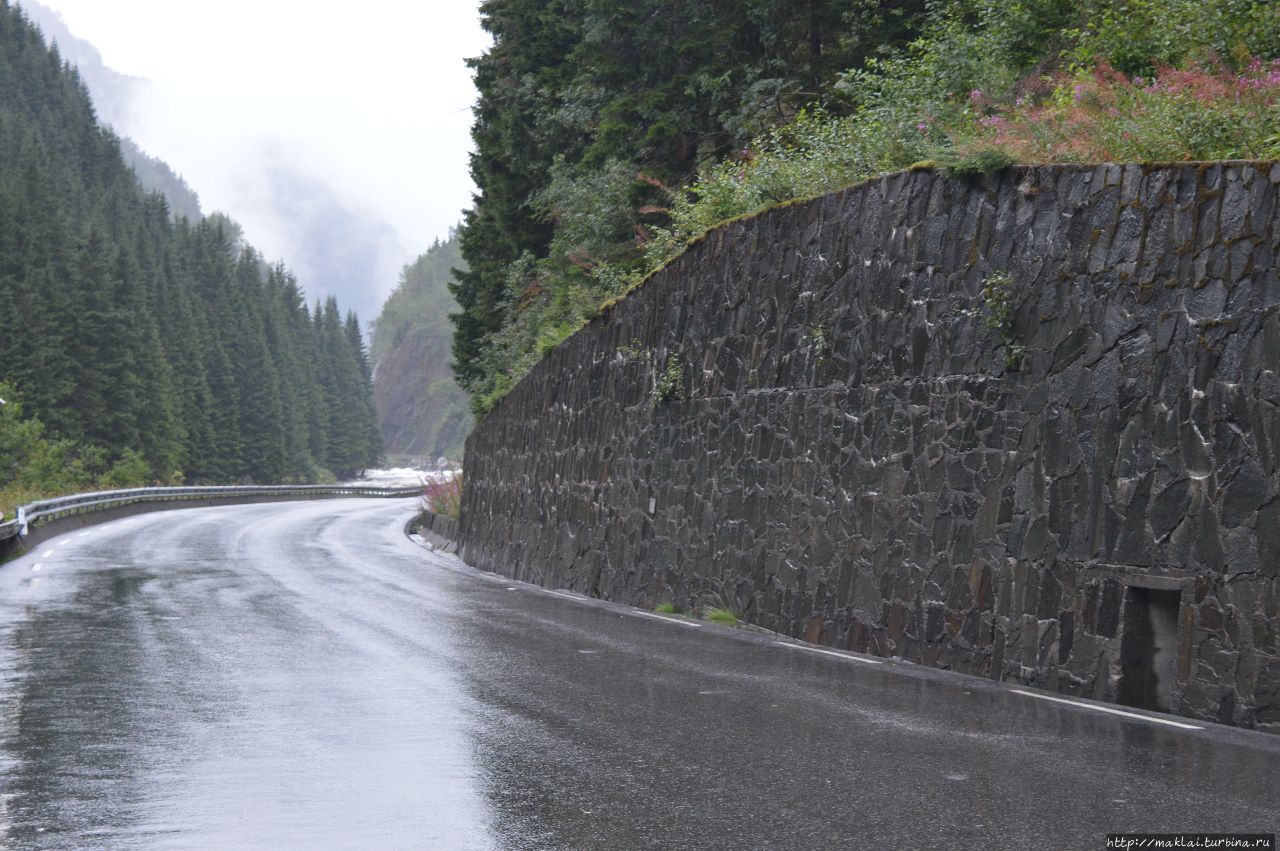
(302, 676)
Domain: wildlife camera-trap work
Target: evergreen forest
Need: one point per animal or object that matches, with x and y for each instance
(112, 93)
(135, 348)
(608, 135)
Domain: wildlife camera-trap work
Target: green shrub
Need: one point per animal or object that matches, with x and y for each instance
(1138, 36)
(444, 497)
(670, 385)
(981, 160)
(33, 466)
(998, 294)
(130, 471)
(818, 343)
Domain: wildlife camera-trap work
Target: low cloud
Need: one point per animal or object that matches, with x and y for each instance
(337, 137)
(335, 245)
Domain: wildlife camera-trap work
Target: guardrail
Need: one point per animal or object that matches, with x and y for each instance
(51, 509)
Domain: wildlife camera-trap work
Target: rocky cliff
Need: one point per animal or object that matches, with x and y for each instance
(422, 410)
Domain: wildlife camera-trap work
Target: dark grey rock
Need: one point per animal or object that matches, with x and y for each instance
(1245, 493)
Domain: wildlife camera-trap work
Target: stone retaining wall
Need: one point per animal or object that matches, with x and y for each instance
(844, 451)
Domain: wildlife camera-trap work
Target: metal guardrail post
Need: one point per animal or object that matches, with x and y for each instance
(22, 520)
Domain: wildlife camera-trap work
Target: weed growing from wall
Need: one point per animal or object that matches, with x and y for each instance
(998, 308)
(818, 341)
(670, 385)
(636, 352)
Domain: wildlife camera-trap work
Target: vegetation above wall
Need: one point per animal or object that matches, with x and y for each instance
(596, 170)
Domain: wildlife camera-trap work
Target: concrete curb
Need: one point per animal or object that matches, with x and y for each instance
(439, 531)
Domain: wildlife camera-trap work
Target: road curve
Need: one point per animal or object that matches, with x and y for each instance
(300, 675)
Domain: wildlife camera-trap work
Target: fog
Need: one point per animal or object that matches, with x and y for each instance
(336, 134)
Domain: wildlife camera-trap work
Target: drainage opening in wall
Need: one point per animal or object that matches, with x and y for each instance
(1148, 648)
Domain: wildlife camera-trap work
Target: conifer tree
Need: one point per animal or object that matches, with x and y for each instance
(137, 340)
(261, 415)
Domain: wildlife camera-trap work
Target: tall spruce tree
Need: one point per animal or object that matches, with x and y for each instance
(520, 80)
(364, 391)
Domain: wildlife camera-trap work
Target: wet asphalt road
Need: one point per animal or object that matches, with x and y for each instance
(300, 675)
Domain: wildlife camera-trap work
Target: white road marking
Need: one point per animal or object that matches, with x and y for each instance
(37, 568)
(847, 657)
(665, 618)
(83, 535)
(47, 554)
(568, 596)
(64, 543)
(1108, 710)
(588, 651)
(512, 588)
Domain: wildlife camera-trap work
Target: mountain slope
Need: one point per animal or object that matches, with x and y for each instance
(422, 409)
(112, 93)
(130, 336)
(291, 206)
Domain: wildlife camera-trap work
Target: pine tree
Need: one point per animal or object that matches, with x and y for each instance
(364, 392)
(520, 80)
(261, 415)
(284, 306)
(140, 342)
(348, 406)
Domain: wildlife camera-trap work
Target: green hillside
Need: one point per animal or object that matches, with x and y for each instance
(112, 94)
(139, 349)
(610, 134)
(422, 409)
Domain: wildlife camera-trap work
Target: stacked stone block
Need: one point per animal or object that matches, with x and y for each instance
(860, 460)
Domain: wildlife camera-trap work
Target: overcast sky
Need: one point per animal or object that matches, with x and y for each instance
(372, 99)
